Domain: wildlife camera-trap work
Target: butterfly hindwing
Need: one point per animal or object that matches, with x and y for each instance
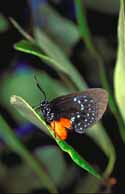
(82, 108)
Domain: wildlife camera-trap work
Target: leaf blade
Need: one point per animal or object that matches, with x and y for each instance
(30, 48)
(65, 33)
(119, 73)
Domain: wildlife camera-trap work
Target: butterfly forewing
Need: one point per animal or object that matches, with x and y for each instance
(82, 108)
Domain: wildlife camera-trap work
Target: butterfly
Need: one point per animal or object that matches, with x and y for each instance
(73, 112)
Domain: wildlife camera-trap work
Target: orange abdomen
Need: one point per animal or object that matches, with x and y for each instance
(60, 127)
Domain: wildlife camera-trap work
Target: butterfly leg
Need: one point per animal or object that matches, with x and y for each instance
(53, 126)
(54, 130)
(36, 108)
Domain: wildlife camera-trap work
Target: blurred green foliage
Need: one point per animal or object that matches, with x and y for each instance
(53, 46)
(14, 143)
(64, 33)
(4, 25)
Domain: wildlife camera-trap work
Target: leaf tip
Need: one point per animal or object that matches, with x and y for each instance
(13, 99)
(15, 46)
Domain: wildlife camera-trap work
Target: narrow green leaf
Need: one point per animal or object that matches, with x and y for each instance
(57, 54)
(24, 108)
(64, 33)
(119, 73)
(11, 140)
(31, 48)
(83, 25)
(21, 30)
(77, 158)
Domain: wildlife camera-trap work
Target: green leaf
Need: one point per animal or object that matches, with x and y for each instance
(31, 48)
(24, 108)
(64, 33)
(82, 24)
(119, 73)
(28, 112)
(52, 157)
(57, 54)
(11, 140)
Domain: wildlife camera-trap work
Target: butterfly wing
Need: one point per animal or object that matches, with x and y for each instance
(82, 108)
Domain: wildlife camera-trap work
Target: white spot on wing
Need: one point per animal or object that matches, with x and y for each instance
(78, 116)
(82, 107)
(75, 99)
(79, 101)
(72, 119)
(88, 114)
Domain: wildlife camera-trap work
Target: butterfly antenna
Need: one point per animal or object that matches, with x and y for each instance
(39, 87)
